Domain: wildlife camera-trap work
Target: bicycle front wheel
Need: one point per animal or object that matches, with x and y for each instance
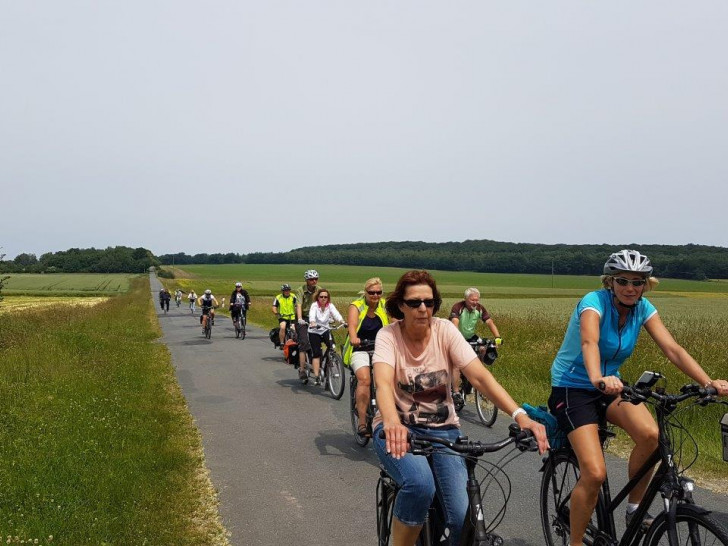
(557, 483)
(386, 494)
(361, 441)
(336, 375)
(487, 412)
(693, 526)
(243, 323)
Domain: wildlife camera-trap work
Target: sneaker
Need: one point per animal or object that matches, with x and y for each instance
(646, 522)
(301, 374)
(317, 381)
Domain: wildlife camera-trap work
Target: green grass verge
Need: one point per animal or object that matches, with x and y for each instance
(96, 443)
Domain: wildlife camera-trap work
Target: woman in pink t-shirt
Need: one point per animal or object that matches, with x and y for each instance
(414, 359)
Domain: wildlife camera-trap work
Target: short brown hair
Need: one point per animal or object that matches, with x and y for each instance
(411, 278)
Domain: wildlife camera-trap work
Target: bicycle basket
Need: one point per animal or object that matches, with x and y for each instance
(540, 414)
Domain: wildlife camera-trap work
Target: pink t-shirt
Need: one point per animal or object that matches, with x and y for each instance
(422, 384)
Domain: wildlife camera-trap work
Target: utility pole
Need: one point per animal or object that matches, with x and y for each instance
(552, 272)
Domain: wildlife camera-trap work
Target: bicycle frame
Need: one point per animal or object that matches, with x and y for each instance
(665, 481)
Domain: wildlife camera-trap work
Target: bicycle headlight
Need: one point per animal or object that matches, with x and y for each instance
(688, 485)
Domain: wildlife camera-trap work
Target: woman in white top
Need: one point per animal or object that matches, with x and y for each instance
(322, 312)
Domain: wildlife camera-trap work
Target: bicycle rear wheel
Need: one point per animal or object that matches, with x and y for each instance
(693, 526)
(487, 412)
(336, 375)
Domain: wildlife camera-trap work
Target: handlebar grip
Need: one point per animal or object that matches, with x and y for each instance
(602, 385)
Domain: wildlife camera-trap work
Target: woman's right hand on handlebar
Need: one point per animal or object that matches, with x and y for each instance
(610, 384)
(396, 438)
(355, 341)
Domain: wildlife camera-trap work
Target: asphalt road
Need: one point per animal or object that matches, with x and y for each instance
(282, 455)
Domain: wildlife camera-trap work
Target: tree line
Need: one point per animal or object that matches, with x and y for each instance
(119, 259)
(697, 262)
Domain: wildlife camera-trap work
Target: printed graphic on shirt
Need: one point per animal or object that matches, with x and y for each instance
(429, 392)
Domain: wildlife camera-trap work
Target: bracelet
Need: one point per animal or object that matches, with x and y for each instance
(710, 382)
(517, 412)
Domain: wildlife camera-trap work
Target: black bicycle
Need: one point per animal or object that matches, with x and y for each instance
(475, 530)
(681, 522)
(331, 371)
(486, 409)
(207, 320)
(363, 439)
(240, 319)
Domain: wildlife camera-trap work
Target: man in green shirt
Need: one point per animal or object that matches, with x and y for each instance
(465, 315)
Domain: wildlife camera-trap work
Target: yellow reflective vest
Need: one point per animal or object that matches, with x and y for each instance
(363, 308)
(286, 306)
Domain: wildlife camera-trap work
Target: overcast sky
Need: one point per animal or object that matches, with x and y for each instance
(268, 125)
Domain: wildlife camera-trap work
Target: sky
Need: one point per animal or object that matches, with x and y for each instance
(238, 126)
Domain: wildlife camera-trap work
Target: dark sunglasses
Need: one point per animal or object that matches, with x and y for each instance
(621, 281)
(323, 297)
(374, 292)
(415, 304)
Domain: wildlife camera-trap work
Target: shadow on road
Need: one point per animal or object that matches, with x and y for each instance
(335, 443)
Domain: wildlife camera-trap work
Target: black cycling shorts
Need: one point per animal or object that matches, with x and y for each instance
(574, 408)
(315, 341)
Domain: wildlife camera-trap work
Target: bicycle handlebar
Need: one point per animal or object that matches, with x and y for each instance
(366, 345)
(636, 395)
(421, 444)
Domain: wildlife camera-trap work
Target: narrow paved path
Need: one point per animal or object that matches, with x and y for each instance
(282, 455)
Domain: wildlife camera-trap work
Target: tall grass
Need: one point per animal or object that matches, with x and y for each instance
(96, 443)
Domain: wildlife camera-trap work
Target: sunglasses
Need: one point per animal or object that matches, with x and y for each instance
(621, 281)
(374, 292)
(415, 304)
(323, 297)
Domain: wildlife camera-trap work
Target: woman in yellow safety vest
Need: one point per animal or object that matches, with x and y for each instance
(366, 316)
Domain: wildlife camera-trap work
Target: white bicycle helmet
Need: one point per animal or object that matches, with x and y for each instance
(238, 285)
(311, 274)
(628, 261)
(208, 292)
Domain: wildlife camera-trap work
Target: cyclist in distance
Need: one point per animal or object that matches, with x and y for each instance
(284, 307)
(601, 334)
(239, 302)
(178, 296)
(365, 317)
(465, 314)
(413, 363)
(207, 303)
(321, 313)
(192, 297)
(305, 296)
(164, 297)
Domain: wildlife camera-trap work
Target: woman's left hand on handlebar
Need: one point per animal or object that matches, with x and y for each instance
(721, 385)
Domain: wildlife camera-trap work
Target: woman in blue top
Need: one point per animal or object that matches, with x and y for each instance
(601, 334)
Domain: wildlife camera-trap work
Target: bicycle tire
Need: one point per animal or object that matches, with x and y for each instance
(559, 478)
(243, 323)
(487, 412)
(336, 375)
(694, 526)
(385, 506)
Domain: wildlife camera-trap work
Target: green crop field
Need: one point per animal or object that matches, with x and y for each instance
(532, 317)
(67, 284)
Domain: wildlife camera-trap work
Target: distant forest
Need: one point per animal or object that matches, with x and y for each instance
(119, 259)
(698, 262)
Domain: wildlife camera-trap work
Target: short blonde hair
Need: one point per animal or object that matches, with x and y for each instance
(651, 284)
(374, 281)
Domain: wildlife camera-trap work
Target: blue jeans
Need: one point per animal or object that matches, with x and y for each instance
(419, 481)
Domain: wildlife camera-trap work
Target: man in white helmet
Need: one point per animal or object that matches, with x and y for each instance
(304, 299)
